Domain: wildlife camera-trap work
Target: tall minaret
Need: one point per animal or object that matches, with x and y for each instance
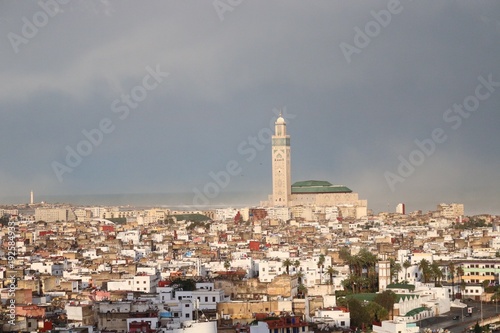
(31, 197)
(282, 181)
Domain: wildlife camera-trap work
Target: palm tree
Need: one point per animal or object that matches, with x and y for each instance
(462, 288)
(368, 262)
(425, 268)
(321, 264)
(300, 276)
(460, 273)
(302, 290)
(345, 256)
(331, 272)
(352, 282)
(287, 263)
(451, 267)
(436, 273)
(296, 264)
(395, 268)
(406, 265)
(227, 265)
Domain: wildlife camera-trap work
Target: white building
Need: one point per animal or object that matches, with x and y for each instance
(223, 214)
(334, 316)
(132, 236)
(54, 214)
(391, 326)
(48, 268)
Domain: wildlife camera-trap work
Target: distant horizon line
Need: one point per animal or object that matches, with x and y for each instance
(135, 199)
(236, 199)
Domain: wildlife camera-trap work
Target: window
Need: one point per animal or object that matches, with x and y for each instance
(187, 315)
(213, 299)
(342, 323)
(206, 298)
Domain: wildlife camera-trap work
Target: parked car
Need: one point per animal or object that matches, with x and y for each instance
(468, 314)
(456, 317)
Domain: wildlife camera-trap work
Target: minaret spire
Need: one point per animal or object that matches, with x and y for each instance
(282, 185)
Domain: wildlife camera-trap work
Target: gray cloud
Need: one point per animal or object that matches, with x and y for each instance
(353, 119)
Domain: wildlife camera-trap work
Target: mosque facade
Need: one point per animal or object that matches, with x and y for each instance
(309, 193)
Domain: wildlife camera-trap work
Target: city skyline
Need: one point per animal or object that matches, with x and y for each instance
(376, 96)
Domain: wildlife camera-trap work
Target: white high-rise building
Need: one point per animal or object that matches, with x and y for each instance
(282, 180)
(400, 208)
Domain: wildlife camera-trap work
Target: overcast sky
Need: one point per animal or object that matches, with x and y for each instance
(360, 82)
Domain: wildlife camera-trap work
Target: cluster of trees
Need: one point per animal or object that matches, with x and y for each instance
(362, 274)
(4, 220)
(196, 224)
(472, 223)
(330, 271)
(363, 314)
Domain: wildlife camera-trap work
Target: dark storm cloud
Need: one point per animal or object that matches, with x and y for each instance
(225, 77)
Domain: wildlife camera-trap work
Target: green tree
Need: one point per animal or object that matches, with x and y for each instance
(345, 256)
(395, 268)
(368, 262)
(185, 284)
(436, 273)
(462, 287)
(451, 269)
(321, 264)
(460, 273)
(386, 299)
(331, 272)
(425, 268)
(376, 312)
(302, 290)
(227, 265)
(359, 316)
(296, 264)
(287, 263)
(477, 328)
(4, 220)
(406, 265)
(300, 276)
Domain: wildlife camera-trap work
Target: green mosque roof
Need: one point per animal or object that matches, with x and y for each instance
(318, 186)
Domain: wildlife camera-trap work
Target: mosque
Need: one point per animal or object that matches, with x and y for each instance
(310, 193)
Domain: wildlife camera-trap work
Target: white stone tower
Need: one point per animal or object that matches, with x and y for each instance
(282, 180)
(384, 275)
(32, 198)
